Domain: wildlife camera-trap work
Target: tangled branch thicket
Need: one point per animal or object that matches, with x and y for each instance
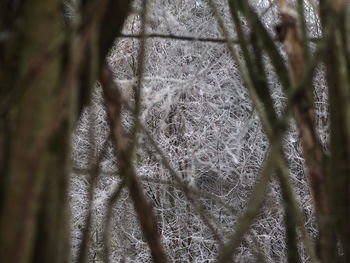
(196, 107)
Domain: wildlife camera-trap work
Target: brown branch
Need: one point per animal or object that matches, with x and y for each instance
(304, 114)
(126, 169)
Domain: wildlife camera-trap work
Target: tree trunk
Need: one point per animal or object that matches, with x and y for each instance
(33, 219)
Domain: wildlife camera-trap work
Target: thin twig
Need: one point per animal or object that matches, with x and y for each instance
(106, 233)
(192, 38)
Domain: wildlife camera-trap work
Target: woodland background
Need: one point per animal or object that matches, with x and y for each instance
(174, 131)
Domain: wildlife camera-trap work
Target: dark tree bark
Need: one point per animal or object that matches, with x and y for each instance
(39, 76)
(333, 16)
(37, 150)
